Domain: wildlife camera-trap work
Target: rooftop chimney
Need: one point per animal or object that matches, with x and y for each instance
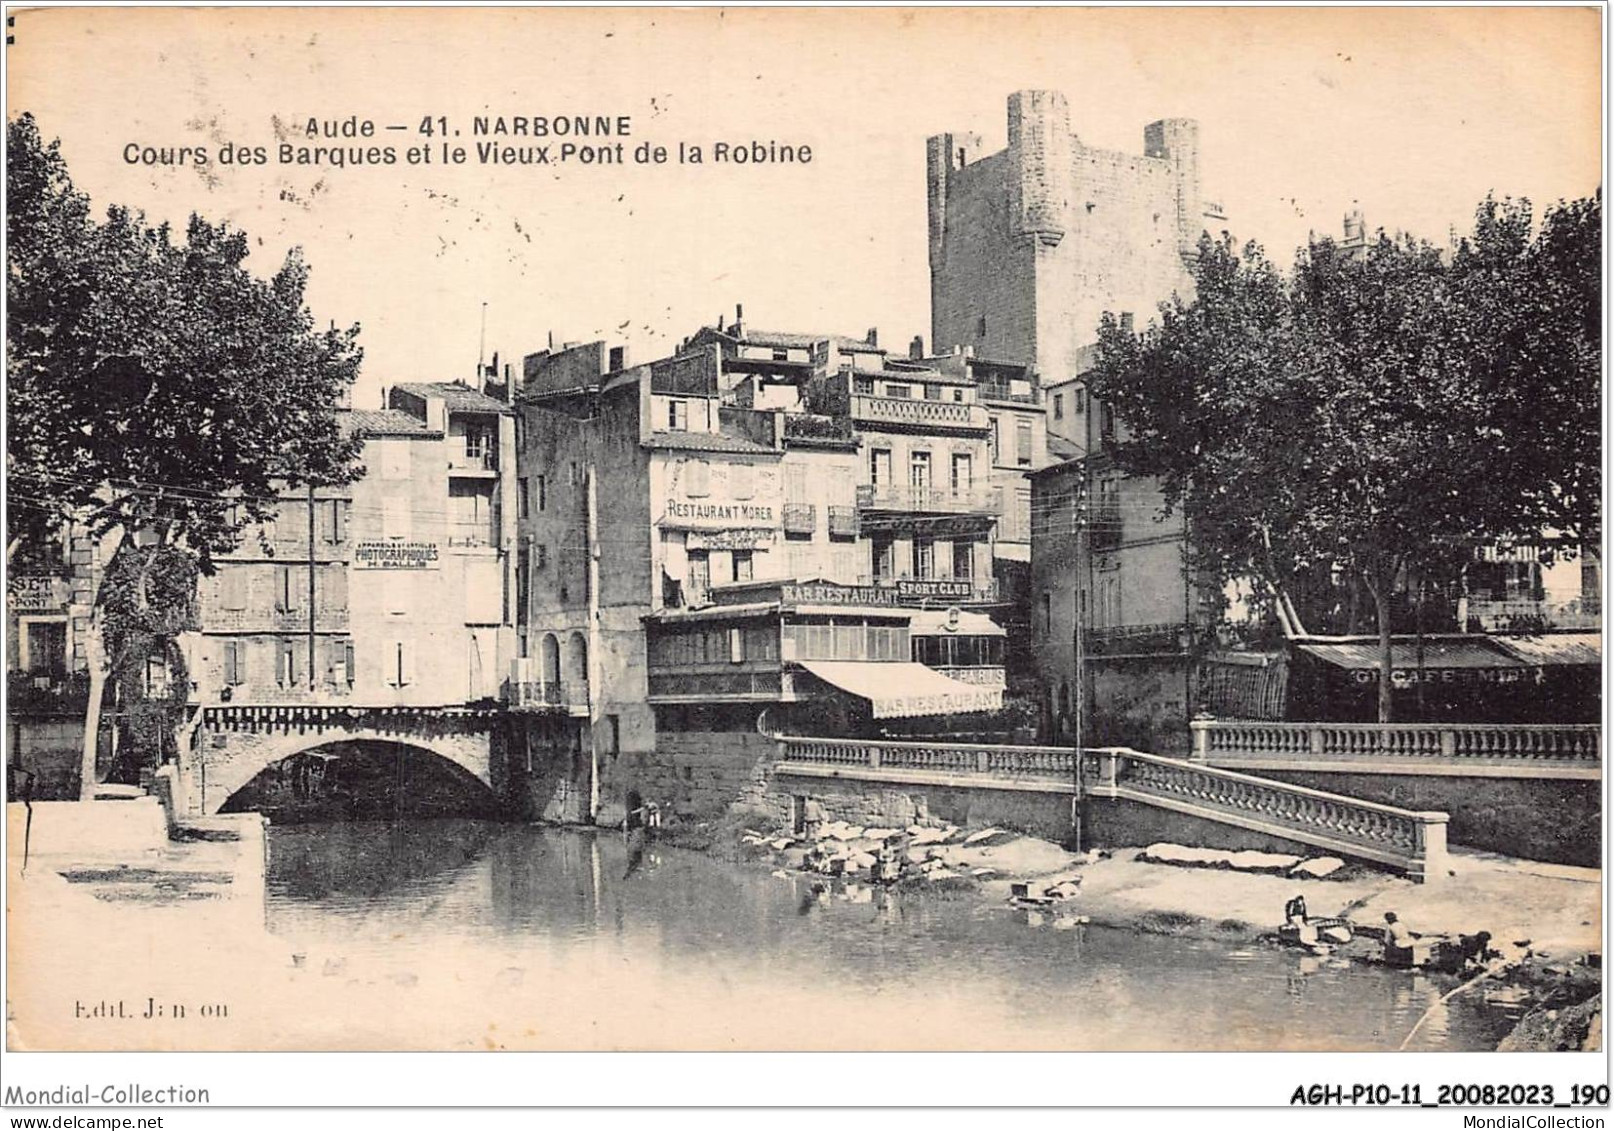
(720, 323)
(916, 348)
(1126, 321)
(873, 336)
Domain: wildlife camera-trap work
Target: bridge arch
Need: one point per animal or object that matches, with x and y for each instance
(227, 761)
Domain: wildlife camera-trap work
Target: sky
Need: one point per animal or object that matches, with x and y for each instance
(1412, 115)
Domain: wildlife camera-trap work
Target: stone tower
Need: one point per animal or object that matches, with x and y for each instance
(1031, 245)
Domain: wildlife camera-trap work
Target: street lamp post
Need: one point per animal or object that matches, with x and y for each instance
(1079, 801)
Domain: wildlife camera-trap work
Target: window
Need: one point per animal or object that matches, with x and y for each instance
(980, 327)
(523, 498)
(742, 565)
(963, 560)
(333, 589)
(742, 480)
(289, 668)
(523, 576)
(736, 645)
(1106, 419)
(46, 642)
(1022, 443)
(700, 575)
(902, 392)
(958, 396)
(233, 590)
(1047, 611)
(880, 466)
(289, 583)
(543, 555)
(478, 446)
(963, 474)
(678, 416)
(924, 557)
(933, 392)
(235, 662)
(919, 469)
(343, 669)
(1078, 400)
(781, 354)
(574, 474)
(541, 487)
(992, 441)
(699, 478)
(331, 519)
(613, 735)
(884, 559)
(1059, 406)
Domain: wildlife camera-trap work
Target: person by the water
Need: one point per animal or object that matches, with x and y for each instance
(1297, 918)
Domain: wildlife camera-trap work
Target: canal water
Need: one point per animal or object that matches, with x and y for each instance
(453, 933)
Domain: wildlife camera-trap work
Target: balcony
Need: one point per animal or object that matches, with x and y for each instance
(527, 690)
(476, 462)
(1535, 615)
(815, 429)
(922, 415)
(843, 522)
(928, 500)
(800, 518)
(1138, 640)
(1004, 391)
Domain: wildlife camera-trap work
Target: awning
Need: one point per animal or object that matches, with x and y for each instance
(902, 690)
(1441, 654)
(941, 622)
(1554, 649)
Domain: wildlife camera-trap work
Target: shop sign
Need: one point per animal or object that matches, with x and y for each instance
(753, 539)
(838, 595)
(957, 590)
(395, 555)
(705, 514)
(1409, 677)
(36, 594)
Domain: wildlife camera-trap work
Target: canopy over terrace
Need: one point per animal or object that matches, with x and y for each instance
(905, 690)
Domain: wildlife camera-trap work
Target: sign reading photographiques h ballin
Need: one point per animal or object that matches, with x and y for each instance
(388, 554)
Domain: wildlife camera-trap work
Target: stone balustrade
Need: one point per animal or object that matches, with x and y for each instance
(1413, 842)
(1457, 749)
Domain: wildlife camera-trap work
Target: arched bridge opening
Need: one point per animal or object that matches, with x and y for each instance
(361, 780)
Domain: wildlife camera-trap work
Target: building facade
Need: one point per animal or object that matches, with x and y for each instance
(1029, 248)
(765, 530)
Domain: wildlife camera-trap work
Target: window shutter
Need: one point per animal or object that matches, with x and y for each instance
(294, 663)
(232, 663)
(406, 663)
(281, 659)
(350, 662)
(335, 588)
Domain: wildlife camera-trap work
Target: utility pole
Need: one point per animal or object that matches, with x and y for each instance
(313, 650)
(1079, 802)
(593, 666)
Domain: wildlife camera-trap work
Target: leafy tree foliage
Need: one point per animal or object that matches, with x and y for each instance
(1376, 412)
(160, 395)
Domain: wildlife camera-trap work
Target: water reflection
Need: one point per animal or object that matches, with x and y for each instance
(672, 948)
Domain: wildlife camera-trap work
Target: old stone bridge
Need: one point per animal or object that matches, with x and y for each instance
(234, 744)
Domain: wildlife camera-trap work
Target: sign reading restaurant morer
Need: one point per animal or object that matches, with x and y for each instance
(395, 555)
(712, 515)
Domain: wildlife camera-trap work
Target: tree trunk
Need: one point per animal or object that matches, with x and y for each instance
(1381, 603)
(99, 669)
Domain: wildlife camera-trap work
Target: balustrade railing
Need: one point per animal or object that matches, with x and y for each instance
(1414, 842)
(1448, 747)
(903, 410)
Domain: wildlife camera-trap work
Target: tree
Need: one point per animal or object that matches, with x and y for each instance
(1376, 413)
(160, 397)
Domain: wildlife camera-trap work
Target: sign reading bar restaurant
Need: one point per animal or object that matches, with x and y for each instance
(838, 595)
(395, 555)
(39, 594)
